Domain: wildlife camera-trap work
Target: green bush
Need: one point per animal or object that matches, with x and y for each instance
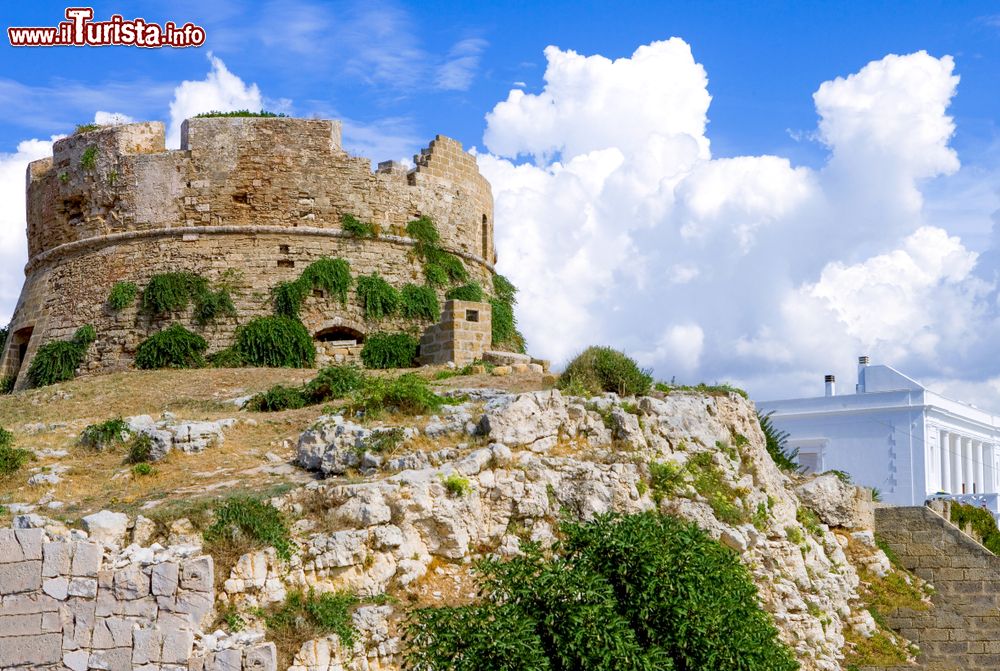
(210, 305)
(143, 470)
(330, 275)
(303, 617)
(279, 342)
(377, 297)
(173, 347)
(408, 394)
(361, 229)
(424, 231)
(139, 449)
(57, 360)
(277, 398)
(105, 434)
(472, 291)
(776, 442)
(122, 295)
(7, 383)
(623, 592)
(419, 302)
(504, 290)
(665, 479)
(456, 485)
(333, 382)
(602, 369)
(12, 459)
(170, 292)
(390, 350)
(253, 522)
(88, 159)
(239, 113)
(982, 522)
(442, 267)
(504, 327)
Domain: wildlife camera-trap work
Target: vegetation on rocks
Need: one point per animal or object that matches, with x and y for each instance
(279, 342)
(601, 369)
(637, 592)
(505, 333)
(776, 442)
(122, 295)
(359, 229)
(239, 113)
(390, 350)
(330, 383)
(306, 616)
(88, 159)
(57, 360)
(139, 449)
(172, 292)
(980, 520)
(330, 275)
(104, 435)
(250, 524)
(173, 347)
(441, 267)
(408, 394)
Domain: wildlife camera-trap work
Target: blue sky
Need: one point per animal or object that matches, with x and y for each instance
(766, 237)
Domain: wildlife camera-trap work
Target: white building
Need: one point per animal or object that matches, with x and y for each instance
(894, 434)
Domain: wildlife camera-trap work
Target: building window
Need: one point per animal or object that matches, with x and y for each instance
(472, 315)
(283, 249)
(486, 240)
(286, 263)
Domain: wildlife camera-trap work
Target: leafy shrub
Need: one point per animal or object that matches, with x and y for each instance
(122, 295)
(377, 297)
(384, 441)
(467, 292)
(227, 357)
(105, 434)
(7, 383)
(252, 522)
(173, 347)
(279, 342)
(140, 449)
(4, 332)
(333, 382)
(419, 302)
(390, 350)
(361, 229)
(143, 470)
(408, 394)
(85, 128)
(239, 113)
(623, 592)
(88, 159)
(210, 305)
(170, 292)
(982, 522)
(277, 398)
(442, 267)
(57, 360)
(776, 442)
(456, 485)
(711, 482)
(504, 290)
(601, 369)
(12, 459)
(330, 275)
(666, 479)
(504, 327)
(303, 617)
(424, 231)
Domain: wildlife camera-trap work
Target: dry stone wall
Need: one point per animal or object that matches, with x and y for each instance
(260, 196)
(962, 631)
(76, 605)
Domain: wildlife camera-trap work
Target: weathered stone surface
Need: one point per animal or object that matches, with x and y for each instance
(164, 579)
(25, 576)
(197, 574)
(30, 651)
(106, 527)
(131, 583)
(838, 503)
(525, 418)
(86, 559)
(56, 559)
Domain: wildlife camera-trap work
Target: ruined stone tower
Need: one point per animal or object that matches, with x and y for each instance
(260, 196)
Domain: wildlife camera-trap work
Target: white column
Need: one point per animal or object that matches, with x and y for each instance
(989, 474)
(966, 465)
(945, 461)
(955, 452)
(977, 458)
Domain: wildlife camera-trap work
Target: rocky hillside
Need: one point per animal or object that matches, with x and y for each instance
(371, 518)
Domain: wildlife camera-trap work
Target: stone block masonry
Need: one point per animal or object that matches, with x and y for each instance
(263, 196)
(463, 334)
(72, 605)
(962, 630)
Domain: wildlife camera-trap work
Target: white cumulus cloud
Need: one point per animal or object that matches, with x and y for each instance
(221, 91)
(621, 228)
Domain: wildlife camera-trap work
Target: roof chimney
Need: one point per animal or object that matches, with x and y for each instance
(863, 362)
(831, 385)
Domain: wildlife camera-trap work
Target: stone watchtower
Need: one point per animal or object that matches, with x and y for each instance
(258, 197)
